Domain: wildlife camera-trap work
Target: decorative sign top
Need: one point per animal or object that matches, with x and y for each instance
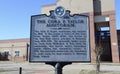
(60, 37)
(59, 11)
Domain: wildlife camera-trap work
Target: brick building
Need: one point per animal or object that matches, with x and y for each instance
(101, 15)
(102, 23)
(14, 49)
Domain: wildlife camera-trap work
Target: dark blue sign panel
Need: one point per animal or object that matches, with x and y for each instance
(60, 37)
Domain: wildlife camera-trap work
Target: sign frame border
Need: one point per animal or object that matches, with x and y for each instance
(85, 15)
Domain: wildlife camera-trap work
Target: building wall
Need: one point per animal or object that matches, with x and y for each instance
(15, 48)
(103, 5)
(107, 6)
(75, 6)
(81, 6)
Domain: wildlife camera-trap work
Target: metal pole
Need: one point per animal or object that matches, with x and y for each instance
(20, 70)
(58, 68)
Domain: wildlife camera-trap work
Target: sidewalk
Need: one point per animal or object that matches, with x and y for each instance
(41, 68)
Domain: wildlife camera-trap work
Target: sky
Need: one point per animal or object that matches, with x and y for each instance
(15, 16)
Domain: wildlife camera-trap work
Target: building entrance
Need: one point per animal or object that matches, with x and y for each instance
(106, 55)
(103, 39)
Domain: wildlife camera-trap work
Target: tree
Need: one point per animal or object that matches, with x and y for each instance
(98, 52)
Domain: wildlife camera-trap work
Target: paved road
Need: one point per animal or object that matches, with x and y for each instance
(41, 68)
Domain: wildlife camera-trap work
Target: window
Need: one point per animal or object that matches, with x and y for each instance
(17, 53)
(105, 28)
(6, 53)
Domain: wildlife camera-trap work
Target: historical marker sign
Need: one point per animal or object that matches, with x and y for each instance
(60, 37)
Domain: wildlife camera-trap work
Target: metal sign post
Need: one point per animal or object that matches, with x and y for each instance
(20, 70)
(58, 69)
(58, 66)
